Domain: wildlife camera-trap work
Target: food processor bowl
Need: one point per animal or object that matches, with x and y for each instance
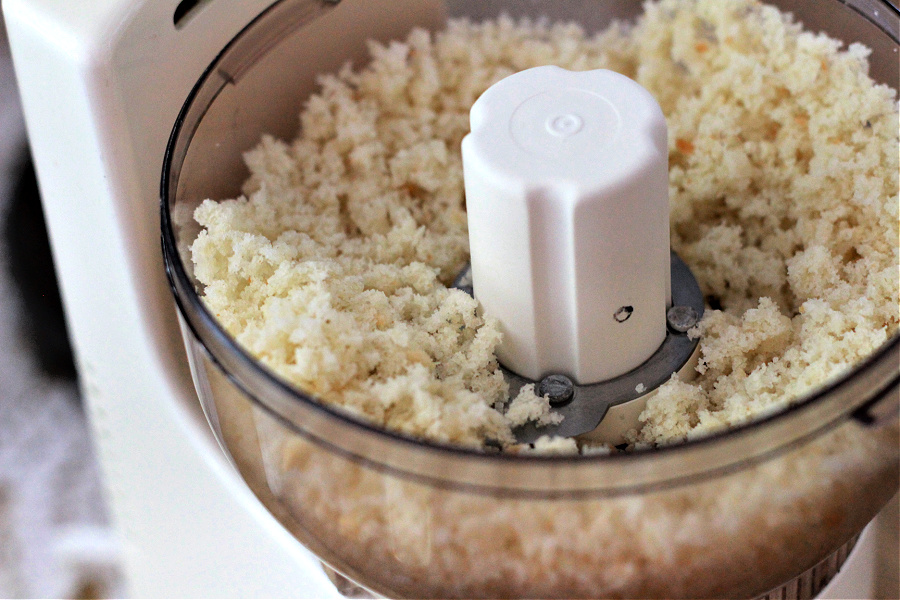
(735, 514)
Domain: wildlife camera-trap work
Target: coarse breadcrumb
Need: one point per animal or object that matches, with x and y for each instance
(527, 407)
(333, 266)
(547, 444)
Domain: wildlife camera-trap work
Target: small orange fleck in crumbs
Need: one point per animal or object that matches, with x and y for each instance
(824, 63)
(415, 191)
(701, 47)
(684, 146)
(801, 120)
(832, 519)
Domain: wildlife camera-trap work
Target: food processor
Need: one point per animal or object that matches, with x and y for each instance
(226, 481)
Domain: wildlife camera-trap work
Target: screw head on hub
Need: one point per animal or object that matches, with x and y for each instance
(559, 388)
(681, 318)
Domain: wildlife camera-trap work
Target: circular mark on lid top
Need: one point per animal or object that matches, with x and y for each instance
(565, 125)
(570, 124)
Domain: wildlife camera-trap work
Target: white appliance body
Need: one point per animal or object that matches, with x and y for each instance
(102, 82)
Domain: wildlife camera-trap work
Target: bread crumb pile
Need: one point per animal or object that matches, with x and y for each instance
(332, 268)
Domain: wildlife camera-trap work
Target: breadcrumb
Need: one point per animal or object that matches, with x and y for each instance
(527, 406)
(333, 266)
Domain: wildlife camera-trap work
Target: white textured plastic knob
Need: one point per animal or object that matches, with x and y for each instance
(566, 177)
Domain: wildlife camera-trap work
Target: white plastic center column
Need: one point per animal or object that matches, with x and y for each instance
(566, 177)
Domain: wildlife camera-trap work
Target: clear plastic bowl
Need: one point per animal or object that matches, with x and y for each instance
(732, 515)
